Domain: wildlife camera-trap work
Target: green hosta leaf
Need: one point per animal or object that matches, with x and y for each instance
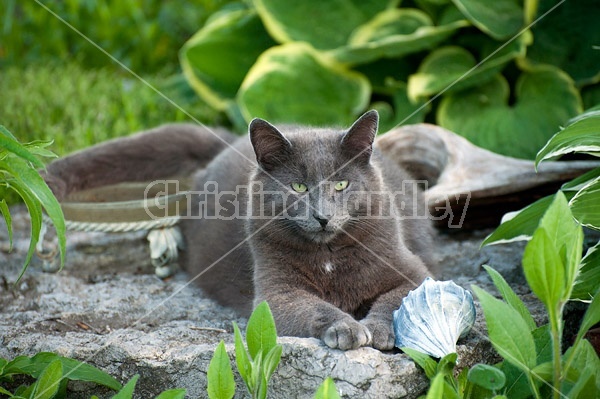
(579, 182)
(48, 382)
(583, 135)
(127, 391)
(394, 33)
(545, 98)
(403, 112)
(323, 24)
(327, 390)
(508, 332)
(451, 68)
(500, 19)
(588, 278)
(8, 220)
(569, 46)
(510, 297)
(295, 83)
(221, 384)
(261, 334)
(172, 394)
(585, 205)
(488, 377)
(217, 58)
(519, 226)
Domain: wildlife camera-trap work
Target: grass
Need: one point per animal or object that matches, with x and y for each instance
(79, 107)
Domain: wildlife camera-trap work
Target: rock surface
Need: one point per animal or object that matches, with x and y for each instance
(107, 308)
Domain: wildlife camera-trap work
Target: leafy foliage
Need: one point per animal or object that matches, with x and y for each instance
(321, 62)
(51, 373)
(18, 172)
(143, 34)
(581, 276)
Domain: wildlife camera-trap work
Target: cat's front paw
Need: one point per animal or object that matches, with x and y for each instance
(347, 334)
(382, 333)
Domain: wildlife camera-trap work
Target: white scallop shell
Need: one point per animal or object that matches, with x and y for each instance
(433, 317)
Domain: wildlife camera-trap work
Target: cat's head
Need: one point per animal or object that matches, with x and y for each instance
(315, 181)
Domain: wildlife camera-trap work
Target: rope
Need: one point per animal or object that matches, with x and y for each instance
(116, 227)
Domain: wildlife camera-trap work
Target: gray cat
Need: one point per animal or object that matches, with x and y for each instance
(314, 221)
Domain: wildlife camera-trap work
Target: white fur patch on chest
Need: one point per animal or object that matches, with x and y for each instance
(328, 267)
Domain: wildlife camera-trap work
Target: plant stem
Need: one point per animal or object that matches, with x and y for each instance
(534, 388)
(556, 331)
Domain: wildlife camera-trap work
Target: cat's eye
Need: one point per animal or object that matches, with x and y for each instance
(299, 187)
(341, 185)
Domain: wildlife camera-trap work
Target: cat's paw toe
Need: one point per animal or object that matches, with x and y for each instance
(347, 334)
(382, 333)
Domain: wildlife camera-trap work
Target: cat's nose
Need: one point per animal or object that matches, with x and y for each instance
(322, 220)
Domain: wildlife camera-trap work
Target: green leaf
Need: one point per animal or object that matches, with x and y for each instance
(48, 382)
(294, 83)
(402, 110)
(584, 205)
(436, 390)
(588, 278)
(582, 136)
(545, 98)
(323, 24)
(127, 391)
(584, 357)
(500, 19)
(579, 182)
(5, 392)
(221, 384)
(9, 143)
(217, 58)
(572, 47)
(8, 220)
(591, 317)
(452, 68)
(36, 194)
(508, 332)
(423, 360)
(446, 364)
(488, 377)
(566, 236)
(394, 33)
(327, 390)
(271, 361)
(544, 269)
(241, 356)
(520, 225)
(510, 297)
(172, 394)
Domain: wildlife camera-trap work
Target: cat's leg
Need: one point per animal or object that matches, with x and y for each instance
(302, 314)
(173, 150)
(380, 316)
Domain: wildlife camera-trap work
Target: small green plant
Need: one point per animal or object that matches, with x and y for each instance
(51, 373)
(327, 390)
(256, 363)
(18, 172)
(534, 363)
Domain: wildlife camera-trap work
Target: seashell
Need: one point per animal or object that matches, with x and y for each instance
(433, 317)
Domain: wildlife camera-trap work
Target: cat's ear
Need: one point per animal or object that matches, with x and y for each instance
(358, 141)
(270, 146)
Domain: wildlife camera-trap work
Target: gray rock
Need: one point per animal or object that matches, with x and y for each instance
(107, 308)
